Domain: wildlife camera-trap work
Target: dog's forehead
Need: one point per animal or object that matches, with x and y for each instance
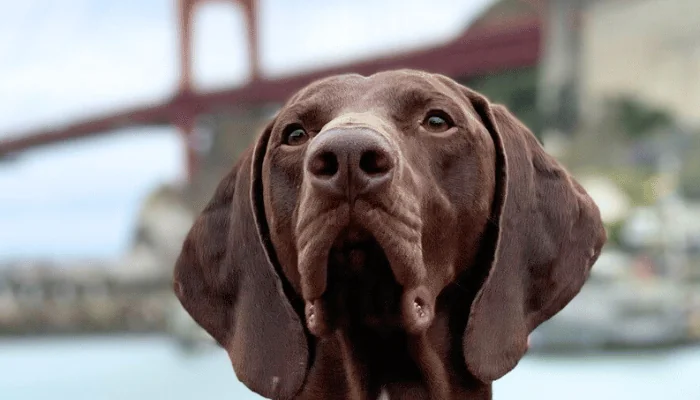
(357, 91)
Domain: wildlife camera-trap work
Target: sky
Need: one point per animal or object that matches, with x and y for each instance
(63, 61)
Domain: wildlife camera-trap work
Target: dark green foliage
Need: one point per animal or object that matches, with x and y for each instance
(636, 118)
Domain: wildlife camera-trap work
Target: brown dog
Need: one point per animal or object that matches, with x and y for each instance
(395, 232)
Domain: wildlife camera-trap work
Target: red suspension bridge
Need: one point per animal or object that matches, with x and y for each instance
(510, 43)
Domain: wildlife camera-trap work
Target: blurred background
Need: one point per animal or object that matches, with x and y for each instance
(118, 117)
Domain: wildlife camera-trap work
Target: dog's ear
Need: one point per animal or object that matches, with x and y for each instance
(228, 279)
(545, 235)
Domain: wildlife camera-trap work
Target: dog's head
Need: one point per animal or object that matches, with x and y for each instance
(360, 203)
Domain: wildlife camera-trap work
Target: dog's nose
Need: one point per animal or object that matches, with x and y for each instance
(349, 162)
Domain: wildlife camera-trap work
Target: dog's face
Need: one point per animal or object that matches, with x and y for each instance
(400, 202)
(377, 190)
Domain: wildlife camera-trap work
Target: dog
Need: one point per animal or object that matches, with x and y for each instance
(396, 233)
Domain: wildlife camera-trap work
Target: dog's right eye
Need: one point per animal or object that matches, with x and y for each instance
(295, 136)
(437, 121)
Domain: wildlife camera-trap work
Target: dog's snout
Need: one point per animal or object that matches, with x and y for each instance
(350, 162)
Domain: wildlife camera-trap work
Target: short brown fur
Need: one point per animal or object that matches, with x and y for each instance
(475, 237)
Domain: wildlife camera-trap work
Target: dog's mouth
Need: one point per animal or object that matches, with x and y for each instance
(361, 287)
(364, 281)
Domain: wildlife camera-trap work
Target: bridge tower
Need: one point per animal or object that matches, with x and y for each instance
(185, 119)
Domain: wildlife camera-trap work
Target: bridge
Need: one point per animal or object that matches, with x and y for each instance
(492, 44)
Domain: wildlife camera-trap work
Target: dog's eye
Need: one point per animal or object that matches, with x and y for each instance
(437, 121)
(295, 136)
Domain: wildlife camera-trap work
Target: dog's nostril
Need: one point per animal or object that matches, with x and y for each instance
(324, 164)
(374, 162)
(419, 307)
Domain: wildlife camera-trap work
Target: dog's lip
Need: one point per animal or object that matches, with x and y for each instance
(346, 246)
(397, 234)
(410, 307)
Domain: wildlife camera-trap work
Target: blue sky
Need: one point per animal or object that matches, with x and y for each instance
(60, 61)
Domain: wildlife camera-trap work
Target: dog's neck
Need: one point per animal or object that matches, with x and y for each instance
(403, 393)
(392, 365)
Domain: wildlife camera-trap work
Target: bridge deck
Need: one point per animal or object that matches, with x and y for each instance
(477, 51)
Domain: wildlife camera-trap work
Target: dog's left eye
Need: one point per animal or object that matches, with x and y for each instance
(295, 136)
(437, 121)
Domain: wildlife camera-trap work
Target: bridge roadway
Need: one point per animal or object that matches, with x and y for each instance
(511, 44)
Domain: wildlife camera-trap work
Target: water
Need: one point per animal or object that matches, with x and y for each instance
(114, 368)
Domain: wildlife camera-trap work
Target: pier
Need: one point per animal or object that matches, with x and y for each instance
(43, 299)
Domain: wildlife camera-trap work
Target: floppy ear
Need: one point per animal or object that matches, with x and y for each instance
(228, 279)
(546, 235)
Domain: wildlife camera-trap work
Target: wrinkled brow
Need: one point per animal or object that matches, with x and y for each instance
(407, 101)
(309, 113)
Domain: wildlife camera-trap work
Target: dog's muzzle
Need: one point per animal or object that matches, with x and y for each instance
(349, 165)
